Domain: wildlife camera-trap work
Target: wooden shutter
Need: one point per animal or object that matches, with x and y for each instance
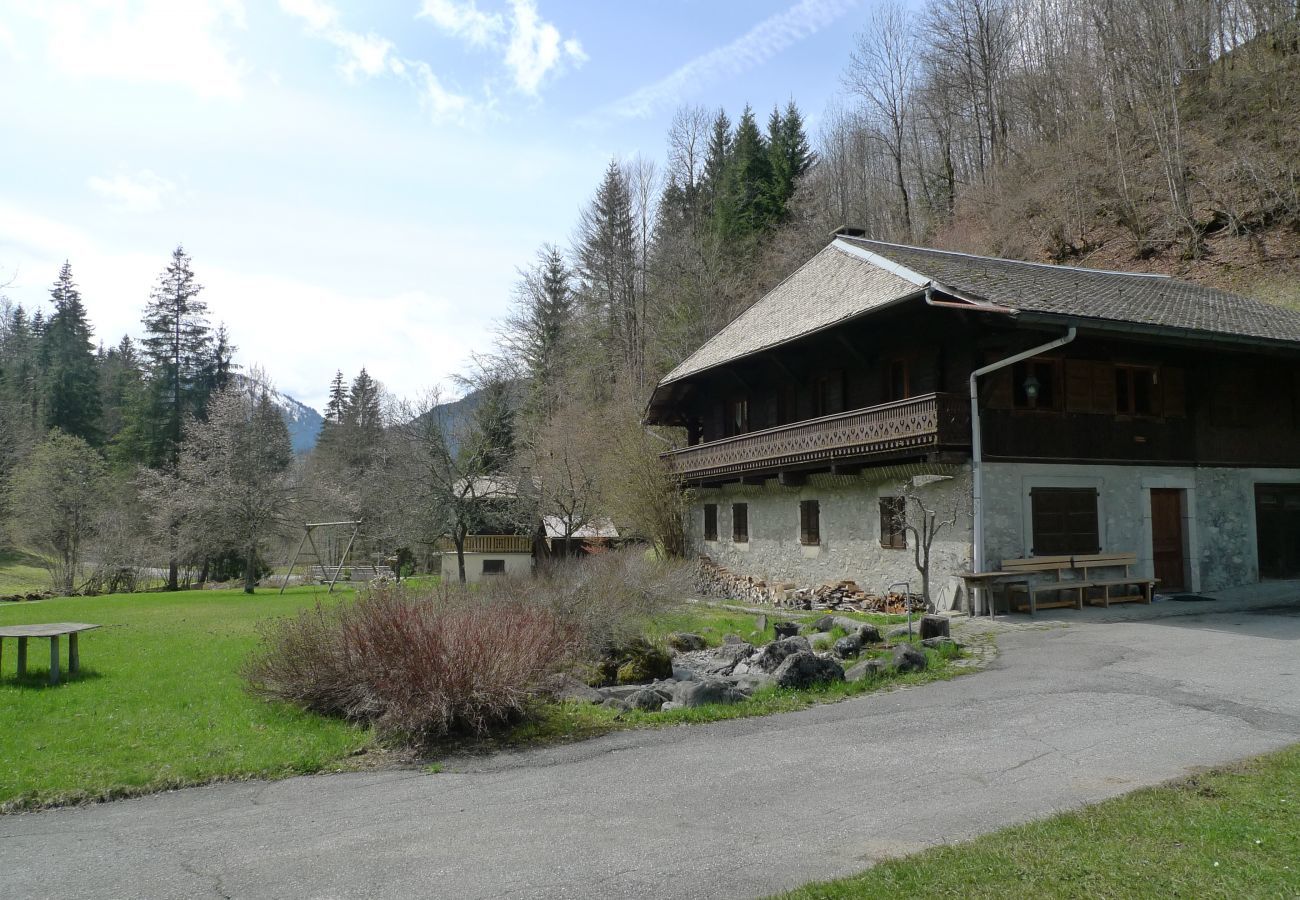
(809, 522)
(1174, 381)
(1078, 385)
(1064, 521)
(710, 521)
(740, 523)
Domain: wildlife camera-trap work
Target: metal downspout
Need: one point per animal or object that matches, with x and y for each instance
(977, 444)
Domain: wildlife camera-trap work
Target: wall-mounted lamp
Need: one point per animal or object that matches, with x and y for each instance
(1031, 388)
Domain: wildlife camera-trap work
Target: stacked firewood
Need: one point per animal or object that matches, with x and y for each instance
(714, 580)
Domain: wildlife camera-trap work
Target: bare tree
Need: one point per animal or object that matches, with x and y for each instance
(920, 516)
(54, 501)
(882, 72)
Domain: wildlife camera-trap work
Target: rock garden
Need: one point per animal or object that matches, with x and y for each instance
(687, 672)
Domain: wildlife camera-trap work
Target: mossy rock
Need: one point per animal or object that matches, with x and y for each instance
(648, 663)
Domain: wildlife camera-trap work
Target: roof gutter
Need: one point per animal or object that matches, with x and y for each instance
(1188, 335)
(977, 444)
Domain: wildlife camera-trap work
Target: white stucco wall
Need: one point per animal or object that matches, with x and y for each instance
(850, 531)
(516, 564)
(1219, 513)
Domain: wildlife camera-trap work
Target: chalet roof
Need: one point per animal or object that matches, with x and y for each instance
(852, 276)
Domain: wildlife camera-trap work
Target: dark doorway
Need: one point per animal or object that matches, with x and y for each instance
(1277, 530)
(1167, 541)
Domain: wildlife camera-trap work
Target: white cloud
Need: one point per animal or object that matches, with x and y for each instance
(755, 47)
(531, 48)
(371, 55)
(463, 20)
(535, 47)
(142, 192)
(147, 41)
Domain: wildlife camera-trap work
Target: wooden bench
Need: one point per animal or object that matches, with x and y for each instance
(1145, 586)
(1035, 565)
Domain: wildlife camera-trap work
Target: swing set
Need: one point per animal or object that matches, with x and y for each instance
(326, 565)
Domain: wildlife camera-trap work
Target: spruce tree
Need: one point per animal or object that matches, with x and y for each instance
(177, 348)
(493, 439)
(337, 406)
(790, 155)
(71, 380)
(743, 206)
(363, 424)
(716, 161)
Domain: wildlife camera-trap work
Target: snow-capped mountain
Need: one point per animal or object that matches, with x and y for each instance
(302, 421)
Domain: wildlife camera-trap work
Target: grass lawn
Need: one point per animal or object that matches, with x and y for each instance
(21, 573)
(159, 701)
(1230, 833)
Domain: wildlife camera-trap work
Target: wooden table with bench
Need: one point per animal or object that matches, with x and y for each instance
(53, 631)
(1074, 590)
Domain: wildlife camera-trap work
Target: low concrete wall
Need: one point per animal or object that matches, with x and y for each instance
(1219, 513)
(850, 531)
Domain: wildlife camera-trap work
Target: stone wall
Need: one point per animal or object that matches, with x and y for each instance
(1219, 513)
(850, 530)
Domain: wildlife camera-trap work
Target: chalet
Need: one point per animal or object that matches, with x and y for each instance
(1059, 410)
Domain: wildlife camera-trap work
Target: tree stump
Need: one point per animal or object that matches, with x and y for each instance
(935, 626)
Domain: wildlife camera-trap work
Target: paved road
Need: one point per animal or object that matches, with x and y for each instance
(1065, 716)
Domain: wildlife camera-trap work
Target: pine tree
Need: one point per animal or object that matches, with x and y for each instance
(743, 206)
(71, 380)
(716, 160)
(337, 408)
(178, 350)
(535, 333)
(790, 156)
(120, 387)
(607, 269)
(493, 438)
(363, 424)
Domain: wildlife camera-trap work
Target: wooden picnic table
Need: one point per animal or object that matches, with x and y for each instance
(53, 631)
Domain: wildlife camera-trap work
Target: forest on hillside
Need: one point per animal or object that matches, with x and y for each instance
(1143, 134)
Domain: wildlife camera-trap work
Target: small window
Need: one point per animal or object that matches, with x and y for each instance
(740, 523)
(1033, 384)
(810, 526)
(1135, 391)
(710, 521)
(494, 567)
(1064, 521)
(893, 523)
(897, 380)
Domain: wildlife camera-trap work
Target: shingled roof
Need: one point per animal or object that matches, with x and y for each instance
(852, 276)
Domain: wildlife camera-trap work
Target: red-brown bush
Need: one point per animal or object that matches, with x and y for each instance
(416, 666)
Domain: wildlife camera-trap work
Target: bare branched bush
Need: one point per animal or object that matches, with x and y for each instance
(417, 666)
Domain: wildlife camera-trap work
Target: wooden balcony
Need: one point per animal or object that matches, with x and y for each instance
(489, 543)
(915, 425)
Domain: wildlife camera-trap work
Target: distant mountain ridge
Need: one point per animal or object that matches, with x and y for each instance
(302, 420)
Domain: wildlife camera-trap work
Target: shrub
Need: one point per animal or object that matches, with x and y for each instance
(417, 666)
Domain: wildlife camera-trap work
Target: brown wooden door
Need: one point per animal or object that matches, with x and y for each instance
(1167, 538)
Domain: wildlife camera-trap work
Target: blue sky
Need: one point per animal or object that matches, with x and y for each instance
(356, 182)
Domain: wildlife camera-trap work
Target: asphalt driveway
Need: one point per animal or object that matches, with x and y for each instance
(1065, 716)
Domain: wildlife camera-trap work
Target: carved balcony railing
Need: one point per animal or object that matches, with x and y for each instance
(489, 543)
(923, 423)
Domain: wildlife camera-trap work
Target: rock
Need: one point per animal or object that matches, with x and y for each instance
(620, 692)
(566, 687)
(685, 641)
(907, 658)
(772, 655)
(868, 668)
(671, 705)
(849, 645)
(825, 623)
(681, 673)
(785, 629)
(646, 662)
(649, 700)
(938, 643)
(734, 652)
(935, 626)
(747, 684)
(760, 623)
(735, 638)
(849, 625)
(620, 705)
(869, 634)
(804, 669)
(900, 631)
(710, 690)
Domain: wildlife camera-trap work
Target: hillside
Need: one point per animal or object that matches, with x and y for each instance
(302, 421)
(1080, 202)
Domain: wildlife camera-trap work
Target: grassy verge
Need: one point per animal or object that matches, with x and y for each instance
(1229, 833)
(159, 702)
(713, 622)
